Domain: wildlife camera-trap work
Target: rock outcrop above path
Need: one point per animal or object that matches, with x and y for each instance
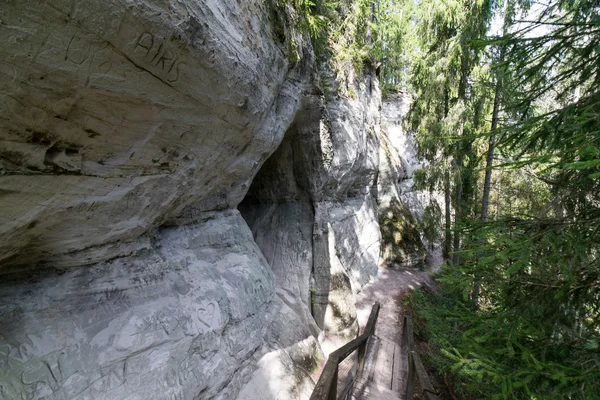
(122, 116)
(130, 132)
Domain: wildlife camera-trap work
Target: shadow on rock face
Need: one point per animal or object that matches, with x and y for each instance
(401, 237)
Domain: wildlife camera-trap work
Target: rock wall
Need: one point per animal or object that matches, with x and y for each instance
(130, 132)
(312, 206)
(403, 209)
(177, 321)
(120, 115)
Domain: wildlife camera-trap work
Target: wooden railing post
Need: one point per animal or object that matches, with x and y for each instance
(409, 333)
(333, 388)
(326, 387)
(369, 331)
(410, 384)
(405, 332)
(410, 346)
(415, 366)
(362, 350)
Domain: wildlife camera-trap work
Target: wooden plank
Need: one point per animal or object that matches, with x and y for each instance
(397, 370)
(384, 365)
(373, 349)
(370, 327)
(327, 379)
(370, 391)
(415, 366)
(409, 340)
(346, 375)
(347, 349)
(422, 375)
(410, 380)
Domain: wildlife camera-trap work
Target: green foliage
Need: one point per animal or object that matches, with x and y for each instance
(311, 17)
(354, 32)
(393, 42)
(519, 316)
(529, 339)
(431, 222)
(446, 114)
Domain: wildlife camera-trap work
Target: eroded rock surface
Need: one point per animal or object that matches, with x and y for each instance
(130, 131)
(312, 206)
(150, 326)
(117, 115)
(402, 206)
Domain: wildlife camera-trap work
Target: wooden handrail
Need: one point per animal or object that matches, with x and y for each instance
(415, 365)
(326, 387)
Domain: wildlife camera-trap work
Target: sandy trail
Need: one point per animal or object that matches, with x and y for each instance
(388, 290)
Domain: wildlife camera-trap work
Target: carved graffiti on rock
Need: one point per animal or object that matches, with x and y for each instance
(78, 49)
(259, 291)
(187, 372)
(114, 375)
(145, 42)
(209, 316)
(157, 56)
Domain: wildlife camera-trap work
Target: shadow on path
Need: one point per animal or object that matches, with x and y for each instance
(388, 290)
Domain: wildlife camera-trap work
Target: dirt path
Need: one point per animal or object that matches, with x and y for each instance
(388, 290)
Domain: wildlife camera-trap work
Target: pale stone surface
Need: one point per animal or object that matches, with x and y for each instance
(130, 130)
(284, 234)
(401, 205)
(401, 147)
(117, 115)
(282, 373)
(312, 206)
(180, 321)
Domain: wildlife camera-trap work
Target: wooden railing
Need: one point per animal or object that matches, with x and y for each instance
(415, 365)
(326, 388)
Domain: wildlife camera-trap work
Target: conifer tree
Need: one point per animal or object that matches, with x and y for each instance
(536, 333)
(441, 114)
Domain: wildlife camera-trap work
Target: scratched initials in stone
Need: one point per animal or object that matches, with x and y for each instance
(155, 52)
(145, 42)
(259, 291)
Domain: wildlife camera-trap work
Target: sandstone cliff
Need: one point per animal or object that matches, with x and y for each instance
(130, 132)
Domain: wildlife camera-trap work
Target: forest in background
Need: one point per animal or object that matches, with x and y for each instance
(506, 112)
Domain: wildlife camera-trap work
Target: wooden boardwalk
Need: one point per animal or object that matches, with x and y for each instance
(385, 372)
(386, 367)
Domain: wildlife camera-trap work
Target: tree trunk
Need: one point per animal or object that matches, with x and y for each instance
(458, 209)
(487, 185)
(447, 199)
(457, 215)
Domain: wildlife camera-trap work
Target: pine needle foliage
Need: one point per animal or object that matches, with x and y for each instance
(364, 33)
(533, 330)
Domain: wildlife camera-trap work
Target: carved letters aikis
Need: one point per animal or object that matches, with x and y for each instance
(155, 52)
(78, 49)
(147, 50)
